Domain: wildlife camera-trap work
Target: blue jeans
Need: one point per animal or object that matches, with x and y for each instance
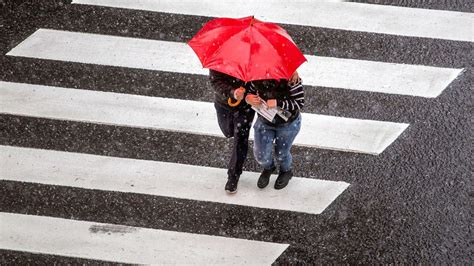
(283, 137)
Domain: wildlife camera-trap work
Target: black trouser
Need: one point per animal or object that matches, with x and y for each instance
(236, 123)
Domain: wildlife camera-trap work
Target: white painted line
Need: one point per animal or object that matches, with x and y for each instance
(417, 22)
(162, 179)
(127, 244)
(415, 80)
(327, 132)
(391, 78)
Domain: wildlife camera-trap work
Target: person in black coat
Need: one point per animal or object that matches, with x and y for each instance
(233, 121)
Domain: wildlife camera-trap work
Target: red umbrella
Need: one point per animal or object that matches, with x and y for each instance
(247, 48)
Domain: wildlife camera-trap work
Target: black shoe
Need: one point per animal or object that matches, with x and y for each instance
(231, 185)
(265, 177)
(283, 179)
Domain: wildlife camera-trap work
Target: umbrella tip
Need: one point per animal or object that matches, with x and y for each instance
(251, 20)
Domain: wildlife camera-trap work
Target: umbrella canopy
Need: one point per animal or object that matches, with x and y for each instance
(247, 48)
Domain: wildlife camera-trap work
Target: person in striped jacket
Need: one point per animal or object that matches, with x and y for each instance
(288, 98)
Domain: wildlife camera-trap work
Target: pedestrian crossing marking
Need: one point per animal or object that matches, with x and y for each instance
(320, 131)
(127, 244)
(162, 179)
(384, 19)
(362, 75)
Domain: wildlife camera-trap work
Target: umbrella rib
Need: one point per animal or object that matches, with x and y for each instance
(233, 36)
(284, 36)
(212, 31)
(250, 50)
(269, 43)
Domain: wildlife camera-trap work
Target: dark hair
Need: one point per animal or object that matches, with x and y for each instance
(269, 84)
(271, 88)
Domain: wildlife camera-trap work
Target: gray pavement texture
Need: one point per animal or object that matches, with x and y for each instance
(452, 5)
(409, 205)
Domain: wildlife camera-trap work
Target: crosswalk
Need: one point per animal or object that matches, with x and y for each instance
(404, 79)
(34, 233)
(160, 179)
(127, 244)
(329, 132)
(344, 16)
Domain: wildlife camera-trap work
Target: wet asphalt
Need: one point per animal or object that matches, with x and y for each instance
(409, 205)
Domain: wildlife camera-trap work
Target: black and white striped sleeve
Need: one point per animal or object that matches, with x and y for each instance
(296, 99)
(251, 89)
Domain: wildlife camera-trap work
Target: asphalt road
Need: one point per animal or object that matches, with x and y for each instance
(409, 205)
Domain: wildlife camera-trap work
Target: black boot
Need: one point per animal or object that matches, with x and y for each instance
(231, 185)
(283, 179)
(265, 177)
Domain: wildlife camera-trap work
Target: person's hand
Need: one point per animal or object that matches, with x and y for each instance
(239, 93)
(272, 103)
(294, 78)
(253, 99)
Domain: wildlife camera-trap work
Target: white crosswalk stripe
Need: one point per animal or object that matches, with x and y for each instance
(414, 80)
(322, 131)
(384, 19)
(161, 179)
(127, 244)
